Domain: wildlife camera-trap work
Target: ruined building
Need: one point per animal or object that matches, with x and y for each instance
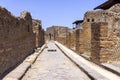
(98, 35)
(57, 33)
(73, 35)
(103, 31)
(17, 38)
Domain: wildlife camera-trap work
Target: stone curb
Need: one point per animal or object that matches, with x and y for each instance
(20, 71)
(111, 68)
(93, 74)
(107, 66)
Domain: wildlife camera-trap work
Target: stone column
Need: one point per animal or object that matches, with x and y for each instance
(100, 44)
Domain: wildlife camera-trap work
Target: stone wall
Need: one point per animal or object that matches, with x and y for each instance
(80, 38)
(111, 16)
(98, 18)
(49, 33)
(86, 37)
(73, 40)
(77, 40)
(68, 39)
(39, 32)
(42, 37)
(57, 33)
(100, 43)
(81, 42)
(98, 35)
(17, 39)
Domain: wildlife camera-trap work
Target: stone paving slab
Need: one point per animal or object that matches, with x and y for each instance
(97, 72)
(54, 65)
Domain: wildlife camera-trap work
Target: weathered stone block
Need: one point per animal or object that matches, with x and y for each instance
(99, 43)
(106, 44)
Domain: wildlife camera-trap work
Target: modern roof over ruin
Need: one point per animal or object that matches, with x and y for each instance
(107, 4)
(77, 21)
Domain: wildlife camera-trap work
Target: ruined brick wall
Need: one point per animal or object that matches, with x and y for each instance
(73, 40)
(42, 37)
(61, 35)
(110, 16)
(83, 38)
(16, 38)
(58, 33)
(77, 40)
(86, 37)
(81, 42)
(39, 32)
(50, 33)
(68, 40)
(100, 43)
(62, 40)
(114, 31)
(100, 35)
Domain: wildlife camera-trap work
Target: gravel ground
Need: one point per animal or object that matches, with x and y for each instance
(54, 65)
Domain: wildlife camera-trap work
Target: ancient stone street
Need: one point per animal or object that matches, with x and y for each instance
(54, 65)
(88, 50)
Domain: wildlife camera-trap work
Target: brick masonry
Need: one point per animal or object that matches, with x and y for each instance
(100, 46)
(107, 32)
(17, 39)
(57, 33)
(99, 34)
(39, 32)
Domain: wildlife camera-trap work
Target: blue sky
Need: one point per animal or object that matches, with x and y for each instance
(52, 12)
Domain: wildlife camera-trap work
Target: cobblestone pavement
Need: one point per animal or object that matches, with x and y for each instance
(54, 65)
